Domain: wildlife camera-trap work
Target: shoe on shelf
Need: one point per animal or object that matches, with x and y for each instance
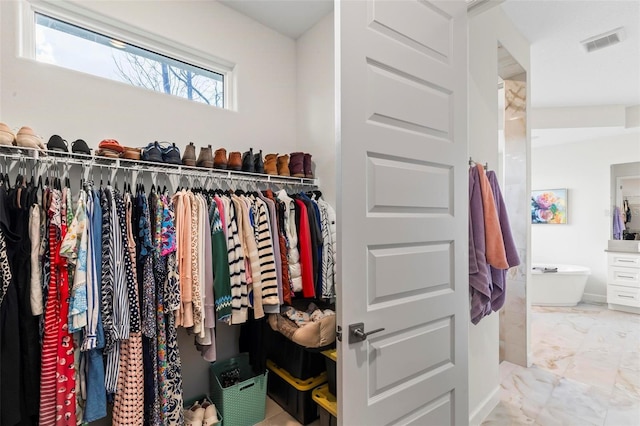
(296, 164)
(248, 162)
(6, 135)
(189, 157)
(210, 414)
(308, 169)
(283, 165)
(79, 146)
(220, 159)
(109, 148)
(152, 152)
(235, 161)
(270, 167)
(171, 154)
(205, 158)
(194, 415)
(258, 163)
(56, 143)
(132, 153)
(26, 138)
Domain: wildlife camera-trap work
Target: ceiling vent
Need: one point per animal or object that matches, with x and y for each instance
(603, 40)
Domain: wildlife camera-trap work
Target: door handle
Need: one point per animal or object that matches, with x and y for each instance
(357, 333)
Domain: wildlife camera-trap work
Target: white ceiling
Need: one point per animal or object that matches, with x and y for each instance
(562, 72)
(289, 17)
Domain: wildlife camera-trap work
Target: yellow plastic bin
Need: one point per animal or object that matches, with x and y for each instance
(327, 406)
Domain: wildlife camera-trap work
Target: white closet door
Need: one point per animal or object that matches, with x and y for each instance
(401, 78)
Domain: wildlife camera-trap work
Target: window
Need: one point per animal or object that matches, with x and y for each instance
(71, 46)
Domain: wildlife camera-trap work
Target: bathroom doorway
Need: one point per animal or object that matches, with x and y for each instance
(513, 171)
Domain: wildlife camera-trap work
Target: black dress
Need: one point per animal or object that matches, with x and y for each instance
(20, 201)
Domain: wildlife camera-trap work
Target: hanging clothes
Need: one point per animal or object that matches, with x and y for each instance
(499, 276)
(93, 288)
(491, 247)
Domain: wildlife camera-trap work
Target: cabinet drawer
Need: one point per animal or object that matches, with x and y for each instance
(629, 260)
(623, 295)
(629, 277)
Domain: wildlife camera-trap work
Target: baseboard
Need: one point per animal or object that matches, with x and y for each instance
(478, 415)
(594, 298)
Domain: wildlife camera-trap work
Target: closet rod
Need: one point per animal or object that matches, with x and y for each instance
(9, 153)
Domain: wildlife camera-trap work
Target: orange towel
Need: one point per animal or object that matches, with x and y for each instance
(496, 255)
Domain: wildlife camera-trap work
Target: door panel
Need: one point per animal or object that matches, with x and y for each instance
(402, 211)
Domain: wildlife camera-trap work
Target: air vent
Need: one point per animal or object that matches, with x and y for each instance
(603, 40)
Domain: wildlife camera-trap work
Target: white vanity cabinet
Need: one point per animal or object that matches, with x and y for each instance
(623, 282)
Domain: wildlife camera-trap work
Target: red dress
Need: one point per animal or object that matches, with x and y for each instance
(306, 262)
(66, 369)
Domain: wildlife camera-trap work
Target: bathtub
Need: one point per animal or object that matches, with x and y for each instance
(562, 288)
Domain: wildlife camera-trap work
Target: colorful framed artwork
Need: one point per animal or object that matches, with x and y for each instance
(549, 206)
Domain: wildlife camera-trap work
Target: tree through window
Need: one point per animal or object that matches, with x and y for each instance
(77, 48)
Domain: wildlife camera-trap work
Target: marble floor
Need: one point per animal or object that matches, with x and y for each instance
(586, 371)
(276, 416)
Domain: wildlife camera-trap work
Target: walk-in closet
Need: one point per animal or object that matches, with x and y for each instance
(242, 220)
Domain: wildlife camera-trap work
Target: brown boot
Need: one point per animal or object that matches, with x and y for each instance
(205, 158)
(308, 171)
(296, 164)
(220, 159)
(189, 157)
(235, 161)
(270, 164)
(283, 165)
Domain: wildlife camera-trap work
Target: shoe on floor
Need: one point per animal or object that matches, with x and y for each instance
(205, 158)
(27, 138)
(194, 415)
(56, 143)
(6, 135)
(79, 146)
(210, 414)
(235, 161)
(189, 157)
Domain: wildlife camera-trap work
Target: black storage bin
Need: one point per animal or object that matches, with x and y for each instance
(326, 418)
(292, 394)
(327, 406)
(331, 358)
(295, 359)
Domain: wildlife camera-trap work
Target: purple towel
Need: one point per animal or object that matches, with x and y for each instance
(618, 225)
(480, 287)
(499, 276)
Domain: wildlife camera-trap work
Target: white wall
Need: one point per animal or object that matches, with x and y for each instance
(316, 102)
(584, 168)
(75, 105)
(54, 100)
(485, 31)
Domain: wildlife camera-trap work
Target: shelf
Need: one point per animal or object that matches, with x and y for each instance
(13, 153)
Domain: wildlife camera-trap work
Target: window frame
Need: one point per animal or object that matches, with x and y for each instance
(92, 21)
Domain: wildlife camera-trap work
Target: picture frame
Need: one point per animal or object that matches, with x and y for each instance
(549, 206)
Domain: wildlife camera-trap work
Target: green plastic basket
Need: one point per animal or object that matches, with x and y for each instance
(244, 403)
